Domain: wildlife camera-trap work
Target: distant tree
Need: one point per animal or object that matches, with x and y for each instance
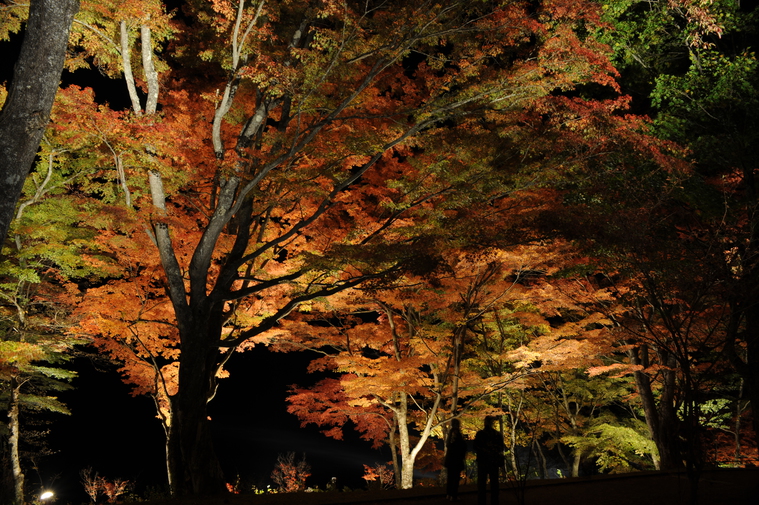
(693, 292)
(96, 486)
(290, 475)
(447, 345)
(401, 377)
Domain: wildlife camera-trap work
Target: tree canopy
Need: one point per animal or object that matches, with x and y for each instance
(465, 207)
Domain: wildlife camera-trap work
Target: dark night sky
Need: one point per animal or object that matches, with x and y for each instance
(119, 437)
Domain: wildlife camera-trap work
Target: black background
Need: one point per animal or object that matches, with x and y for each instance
(119, 436)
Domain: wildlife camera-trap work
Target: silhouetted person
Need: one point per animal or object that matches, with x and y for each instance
(332, 484)
(455, 452)
(488, 445)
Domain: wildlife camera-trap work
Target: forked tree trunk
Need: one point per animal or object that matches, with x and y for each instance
(661, 419)
(193, 466)
(408, 453)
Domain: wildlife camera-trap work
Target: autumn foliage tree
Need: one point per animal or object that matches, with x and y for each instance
(37, 297)
(400, 376)
(448, 345)
(47, 254)
(681, 260)
(290, 475)
(290, 151)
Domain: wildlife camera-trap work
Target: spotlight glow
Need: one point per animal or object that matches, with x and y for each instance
(46, 495)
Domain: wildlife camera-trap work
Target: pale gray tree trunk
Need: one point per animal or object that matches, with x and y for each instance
(13, 419)
(26, 111)
(151, 75)
(126, 63)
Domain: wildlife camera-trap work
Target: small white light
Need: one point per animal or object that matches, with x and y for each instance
(46, 495)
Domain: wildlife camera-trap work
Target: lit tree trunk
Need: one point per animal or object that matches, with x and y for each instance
(193, 466)
(167, 422)
(399, 407)
(407, 463)
(171, 470)
(577, 457)
(26, 111)
(13, 420)
(126, 64)
(151, 75)
(408, 453)
(512, 414)
(162, 401)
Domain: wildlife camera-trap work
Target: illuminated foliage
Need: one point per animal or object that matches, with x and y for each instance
(279, 157)
(687, 294)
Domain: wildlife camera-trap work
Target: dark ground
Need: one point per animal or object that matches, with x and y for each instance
(717, 487)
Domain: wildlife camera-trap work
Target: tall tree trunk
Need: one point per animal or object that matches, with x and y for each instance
(151, 75)
(196, 468)
(126, 65)
(577, 458)
(26, 111)
(746, 361)
(193, 466)
(171, 469)
(13, 420)
(512, 413)
(661, 419)
(407, 467)
(668, 436)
